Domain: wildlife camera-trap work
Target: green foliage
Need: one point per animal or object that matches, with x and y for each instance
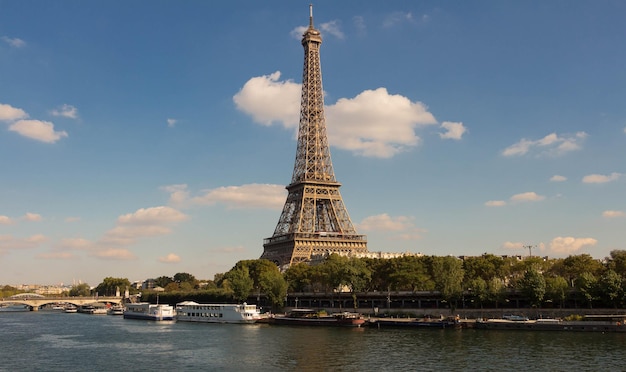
(80, 290)
(586, 285)
(610, 288)
(556, 289)
(410, 273)
(8, 291)
(110, 286)
(533, 285)
(240, 283)
(495, 290)
(299, 277)
(274, 286)
(256, 269)
(478, 289)
(181, 278)
(447, 273)
(617, 262)
(575, 266)
(163, 281)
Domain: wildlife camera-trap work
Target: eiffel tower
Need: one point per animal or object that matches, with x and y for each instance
(314, 220)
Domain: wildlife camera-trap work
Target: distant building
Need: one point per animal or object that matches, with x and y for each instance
(148, 284)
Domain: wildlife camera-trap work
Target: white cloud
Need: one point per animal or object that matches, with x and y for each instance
(557, 178)
(115, 254)
(376, 123)
(170, 258)
(32, 217)
(39, 130)
(14, 42)
(612, 214)
(127, 235)
(552, 144)
(72, 219)
(8, 242)
(384, 222)
(66, 111)
(513, 245)
(527, 196)
(75, 244)
(5, 220)
(171, 122)
(152, 216)
(599, 178)
(401, 225)
(332, 28)
(56, 256)
(569, 245)
(178, 194)
(495, 203)
(359, 25)
(143, 223)
(245, 196)
(453, 130)
(397, 18)
(9, 113)
(297, 32)
(269, 100)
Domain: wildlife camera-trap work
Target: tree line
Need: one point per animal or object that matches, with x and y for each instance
(487, 280)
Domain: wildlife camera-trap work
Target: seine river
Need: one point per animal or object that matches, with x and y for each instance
(55, 341)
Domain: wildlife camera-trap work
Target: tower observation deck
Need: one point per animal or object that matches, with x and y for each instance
(314, 220)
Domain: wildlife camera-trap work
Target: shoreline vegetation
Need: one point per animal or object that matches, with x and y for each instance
(426, 284)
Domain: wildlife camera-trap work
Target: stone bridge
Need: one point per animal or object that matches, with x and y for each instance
(34, 303)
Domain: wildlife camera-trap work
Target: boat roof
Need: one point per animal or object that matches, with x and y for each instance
(193, 303)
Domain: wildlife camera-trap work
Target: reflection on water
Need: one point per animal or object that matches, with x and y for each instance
(57, 341)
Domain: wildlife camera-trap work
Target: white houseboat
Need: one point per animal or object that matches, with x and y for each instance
(148, 311)
(190, 311)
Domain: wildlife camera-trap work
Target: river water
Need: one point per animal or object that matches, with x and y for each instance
(55, 341)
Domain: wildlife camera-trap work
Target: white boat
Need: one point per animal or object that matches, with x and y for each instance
(70, 309)
(93, 310)
(148, 311)
(190, 311)
(116, 310)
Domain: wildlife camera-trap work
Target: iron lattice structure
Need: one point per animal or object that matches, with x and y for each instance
(314, 220)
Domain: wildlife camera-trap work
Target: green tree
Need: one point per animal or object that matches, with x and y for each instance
(575, 266)
(411, 273)
(332, 271)
(586, 285)
(299, 277)
(486, 267)
(556, 289)
(617, 262)
(381, 271)
(80, 290)
(495, 290)
(533, 285)
(163, 281)
(610, 288)
(186, 278)
(447, 273)
(110, 286)
(274, 286)
(240, 282)
(479, 291)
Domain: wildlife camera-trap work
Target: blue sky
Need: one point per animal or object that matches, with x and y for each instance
(147, 138)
